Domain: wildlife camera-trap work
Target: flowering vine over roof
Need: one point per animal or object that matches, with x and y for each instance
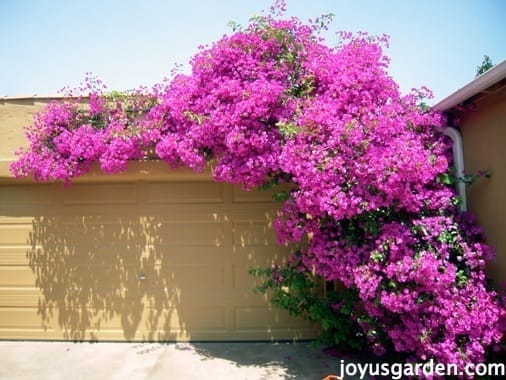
(272, 103)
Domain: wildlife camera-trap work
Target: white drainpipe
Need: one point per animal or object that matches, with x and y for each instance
(458, 159)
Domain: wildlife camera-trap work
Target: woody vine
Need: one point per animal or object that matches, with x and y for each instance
(272, 103)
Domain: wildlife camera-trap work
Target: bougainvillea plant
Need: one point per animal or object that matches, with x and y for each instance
(273, 103)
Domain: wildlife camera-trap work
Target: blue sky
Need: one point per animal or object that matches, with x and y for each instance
(48, 44)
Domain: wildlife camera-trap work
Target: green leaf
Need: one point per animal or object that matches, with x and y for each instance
(281, 196)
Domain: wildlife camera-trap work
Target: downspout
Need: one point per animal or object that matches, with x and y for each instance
(458, 159)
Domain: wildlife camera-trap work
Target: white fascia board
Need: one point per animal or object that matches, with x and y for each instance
(480, 83)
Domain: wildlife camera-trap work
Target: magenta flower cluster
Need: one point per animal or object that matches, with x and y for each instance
(272, 103)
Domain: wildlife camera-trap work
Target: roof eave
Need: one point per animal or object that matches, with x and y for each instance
(479, 84)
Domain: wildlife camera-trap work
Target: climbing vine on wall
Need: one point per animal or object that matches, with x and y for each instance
(272, 103)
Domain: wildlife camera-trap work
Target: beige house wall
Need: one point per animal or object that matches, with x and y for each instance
(483, 131)
(14, 115)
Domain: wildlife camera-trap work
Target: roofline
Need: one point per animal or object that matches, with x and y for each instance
(480, 83)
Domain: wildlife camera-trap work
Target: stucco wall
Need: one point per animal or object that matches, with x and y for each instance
(14, 115)
(484, 136)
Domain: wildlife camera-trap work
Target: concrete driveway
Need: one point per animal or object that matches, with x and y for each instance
(143, 361)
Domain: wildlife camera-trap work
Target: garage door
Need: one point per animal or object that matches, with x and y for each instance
(137, 261)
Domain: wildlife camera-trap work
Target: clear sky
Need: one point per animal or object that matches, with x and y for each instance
(48, 44)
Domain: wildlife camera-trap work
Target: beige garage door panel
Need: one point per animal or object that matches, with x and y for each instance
(138, 261)
(179, 323)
